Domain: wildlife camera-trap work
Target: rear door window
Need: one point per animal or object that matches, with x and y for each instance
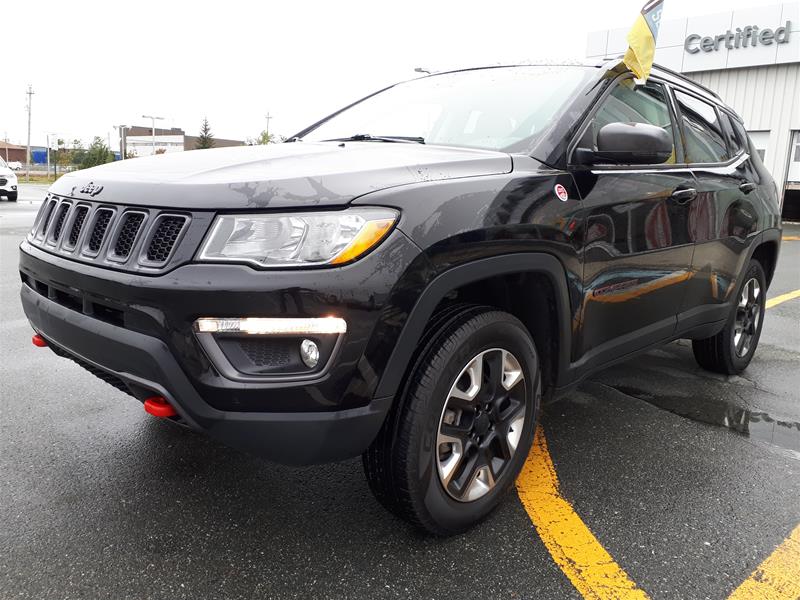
(704, 135)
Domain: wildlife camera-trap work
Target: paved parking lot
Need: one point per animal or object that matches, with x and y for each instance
(687, 481)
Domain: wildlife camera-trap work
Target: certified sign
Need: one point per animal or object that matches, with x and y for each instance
(561, 193)
(743, 37)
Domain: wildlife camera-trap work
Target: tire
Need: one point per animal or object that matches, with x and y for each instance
(731, 350)
(445, 484)
(12, 196)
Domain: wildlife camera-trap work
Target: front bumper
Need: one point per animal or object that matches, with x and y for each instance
(152, 349)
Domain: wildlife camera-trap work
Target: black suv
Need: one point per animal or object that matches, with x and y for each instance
(408, 278)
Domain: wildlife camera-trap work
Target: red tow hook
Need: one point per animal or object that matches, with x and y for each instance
(39, 341)
(159, 407)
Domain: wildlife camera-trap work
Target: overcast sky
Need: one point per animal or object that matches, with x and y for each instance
(96, 64)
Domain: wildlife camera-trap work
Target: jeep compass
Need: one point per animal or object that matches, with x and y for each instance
(410, 277)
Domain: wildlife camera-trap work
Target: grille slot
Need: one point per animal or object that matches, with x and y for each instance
(61, 217)
(126, 236)
(77, 224)
(167, 230)
(101, 221)
(39, 214)
(47, 216)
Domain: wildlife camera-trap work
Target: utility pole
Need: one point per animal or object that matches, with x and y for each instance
(268, 117)
(153, 122)
(5, 137)
(28, 164)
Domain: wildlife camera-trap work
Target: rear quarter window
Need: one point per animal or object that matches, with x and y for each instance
(736, 143)
(705, 140)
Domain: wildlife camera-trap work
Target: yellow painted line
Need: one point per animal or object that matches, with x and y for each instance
(575, 549)
(791, 238)
(783, 298)
(778, 577)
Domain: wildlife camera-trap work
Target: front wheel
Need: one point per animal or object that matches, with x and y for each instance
(731, 350)
(12, 196)
(463, 425)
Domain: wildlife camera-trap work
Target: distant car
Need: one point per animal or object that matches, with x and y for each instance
(15, 165)
(8, 181)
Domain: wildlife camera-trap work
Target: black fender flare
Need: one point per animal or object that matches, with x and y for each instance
(471, 272)
(772, 235)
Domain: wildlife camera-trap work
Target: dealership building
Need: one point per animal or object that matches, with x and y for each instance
(751, 58)
(144, 141)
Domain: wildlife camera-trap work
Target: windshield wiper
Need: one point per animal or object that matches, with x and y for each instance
(365, 137)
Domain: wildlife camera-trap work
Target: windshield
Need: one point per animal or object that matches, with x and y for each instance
(497, 109)
(2, 162)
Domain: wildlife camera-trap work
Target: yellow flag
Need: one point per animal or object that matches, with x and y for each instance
(642, 40)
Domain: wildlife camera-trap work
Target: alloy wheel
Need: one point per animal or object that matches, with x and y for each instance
(748, 317)
(481, 424)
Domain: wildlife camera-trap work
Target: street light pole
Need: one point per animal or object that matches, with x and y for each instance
(153, 122)
(28, 164)
(122, 149)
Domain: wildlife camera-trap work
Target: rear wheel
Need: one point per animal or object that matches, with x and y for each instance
(731, 350)
(463, 425)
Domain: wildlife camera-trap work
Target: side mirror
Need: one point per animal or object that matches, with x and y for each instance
(629, 144)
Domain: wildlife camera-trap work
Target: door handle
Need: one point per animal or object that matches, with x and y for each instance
(684, 195)
(747, 187)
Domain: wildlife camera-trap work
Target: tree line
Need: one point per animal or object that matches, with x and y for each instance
(98, 152)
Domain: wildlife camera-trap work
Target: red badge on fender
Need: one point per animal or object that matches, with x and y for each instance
(561, 193)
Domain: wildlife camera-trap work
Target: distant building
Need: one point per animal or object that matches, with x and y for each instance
(139, 141)
(12, 152)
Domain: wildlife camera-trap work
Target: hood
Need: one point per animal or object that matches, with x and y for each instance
(6, 171)
(300, 174)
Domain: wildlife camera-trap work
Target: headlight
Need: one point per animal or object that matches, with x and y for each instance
(297, 239)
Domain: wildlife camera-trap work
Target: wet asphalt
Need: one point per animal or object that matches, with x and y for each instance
(688, 479)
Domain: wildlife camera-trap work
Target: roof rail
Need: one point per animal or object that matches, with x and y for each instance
(677, 74)
(692, 81)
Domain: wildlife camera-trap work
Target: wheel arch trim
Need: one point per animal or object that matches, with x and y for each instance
(472, 272)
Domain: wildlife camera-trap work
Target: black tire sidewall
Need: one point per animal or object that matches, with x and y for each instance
(433, 503)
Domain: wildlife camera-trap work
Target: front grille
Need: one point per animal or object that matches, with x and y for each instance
(101, 222)
(3, 181)
(163, 241)
(127, 238)
(131, 222)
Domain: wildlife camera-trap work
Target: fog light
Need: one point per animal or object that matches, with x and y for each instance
(309, 352)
